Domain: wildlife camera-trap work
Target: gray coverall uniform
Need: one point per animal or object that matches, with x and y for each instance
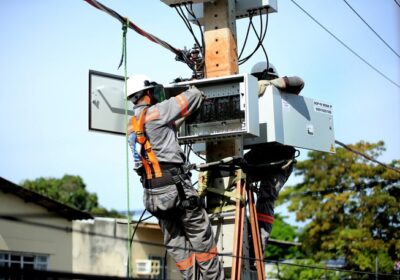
(272, 178)
(187, 231)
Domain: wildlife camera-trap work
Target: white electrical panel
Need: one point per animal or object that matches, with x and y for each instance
(230, 109)
(180, 2)
(242, 10)
(244, 7)
(294, 120)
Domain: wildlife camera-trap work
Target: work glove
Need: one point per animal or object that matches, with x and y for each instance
(292, 84)
(262, 85)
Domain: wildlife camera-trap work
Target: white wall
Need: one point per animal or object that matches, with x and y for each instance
(40, 235)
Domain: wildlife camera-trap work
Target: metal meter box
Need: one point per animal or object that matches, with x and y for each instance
(230, 109)
(183, 2)
(243, 8)
(294, 120)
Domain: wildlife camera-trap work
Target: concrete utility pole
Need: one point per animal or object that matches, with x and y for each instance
(221, 60)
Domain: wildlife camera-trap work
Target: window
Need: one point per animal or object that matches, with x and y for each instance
(163, 272)
(23, 260)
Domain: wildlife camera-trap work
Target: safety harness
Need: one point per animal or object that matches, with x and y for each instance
(147, 156)
(159, 175)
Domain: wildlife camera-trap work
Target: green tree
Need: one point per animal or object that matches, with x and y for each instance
(69, 190)
(282, 231)
(351, 207)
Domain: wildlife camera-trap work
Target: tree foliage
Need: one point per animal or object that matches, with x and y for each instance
(69, 190)
(282, 231)
(351, 207)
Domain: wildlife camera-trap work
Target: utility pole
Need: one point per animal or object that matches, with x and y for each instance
(221, 59)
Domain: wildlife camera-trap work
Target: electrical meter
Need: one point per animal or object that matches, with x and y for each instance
(230, 109)
(294, 120)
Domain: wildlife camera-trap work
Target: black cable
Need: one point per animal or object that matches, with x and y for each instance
(260, 38)
(191, 12)
(395, 1)
(165, 264)
(136, 227)
(243, 60)
(338, 189)
(246, 37)
(367, 157)
(347, 47)
(192, 65)
(330, 268)
(196, 153)
(187, 23)
(372, 29)
(203, 44)
(70, 230)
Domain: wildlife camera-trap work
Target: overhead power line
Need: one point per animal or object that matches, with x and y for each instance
(395, 1)
(346, 46)
(372, 29)
(366, 156)
(149, 243)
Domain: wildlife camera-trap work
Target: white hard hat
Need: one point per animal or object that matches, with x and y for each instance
(261, 68)
(137, 84)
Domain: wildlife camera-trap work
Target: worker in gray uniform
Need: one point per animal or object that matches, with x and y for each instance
(168, 192)
(270, 164)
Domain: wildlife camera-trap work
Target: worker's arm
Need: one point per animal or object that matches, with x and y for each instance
(181, 106)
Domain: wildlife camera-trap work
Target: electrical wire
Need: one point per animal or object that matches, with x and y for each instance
(196, 153)
(398, 4)
(191, 12)
(261, 40)
(90, 233)
(346, 46)
(179, 53)
(247, 35)
(330, 268)
(186, 21)
(260, 37)
(133, 26)
(137, 224)
(195, 66)
(338, 189)
(366, 156)
(372, 29)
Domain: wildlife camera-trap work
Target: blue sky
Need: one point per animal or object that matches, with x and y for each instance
(49, 46)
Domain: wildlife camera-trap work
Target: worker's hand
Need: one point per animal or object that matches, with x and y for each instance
(203, 95)
(262, 85)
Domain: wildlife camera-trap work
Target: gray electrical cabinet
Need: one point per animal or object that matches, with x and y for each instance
(230, 109)
(294, 120)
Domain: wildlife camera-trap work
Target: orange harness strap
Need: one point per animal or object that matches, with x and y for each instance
(149, 159)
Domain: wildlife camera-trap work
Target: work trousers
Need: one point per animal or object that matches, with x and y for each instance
(188, 235)
(270, 186)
